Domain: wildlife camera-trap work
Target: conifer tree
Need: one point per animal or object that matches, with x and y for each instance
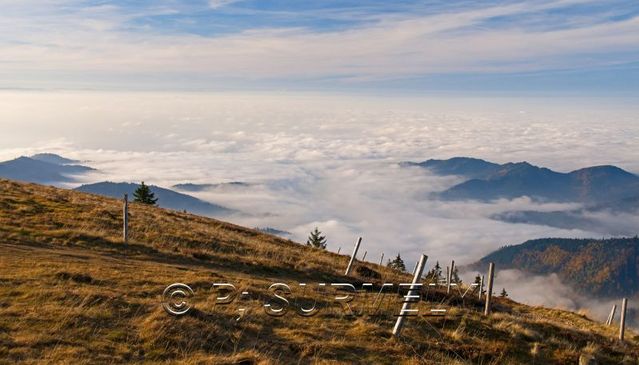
(316, 239)
(478, 282)
(397, 263)
(503, 293)
(144, 195)
(435, 273)
(455, 276)
(438, 270)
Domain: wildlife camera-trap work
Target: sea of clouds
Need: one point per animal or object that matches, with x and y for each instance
(331, 161)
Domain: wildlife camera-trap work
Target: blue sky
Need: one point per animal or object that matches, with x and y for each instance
(538, 47)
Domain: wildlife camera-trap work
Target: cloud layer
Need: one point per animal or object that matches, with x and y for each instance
(73, 43)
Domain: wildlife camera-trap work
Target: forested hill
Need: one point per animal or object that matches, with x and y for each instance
(606, 267)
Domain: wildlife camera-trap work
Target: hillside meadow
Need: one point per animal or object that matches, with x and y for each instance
(72, 292)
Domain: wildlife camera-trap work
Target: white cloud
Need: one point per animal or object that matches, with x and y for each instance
(88, 42)
(214, 4)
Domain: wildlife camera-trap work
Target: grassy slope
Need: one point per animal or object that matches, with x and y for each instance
(71, 292)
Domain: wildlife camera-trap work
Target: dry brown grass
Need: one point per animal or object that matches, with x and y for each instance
(71, 292)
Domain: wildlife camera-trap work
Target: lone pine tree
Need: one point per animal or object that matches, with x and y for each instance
(455, 276)
(316, 239)
(397, 263)
(435, 274)
(144, 195)
(479, 283)
(503, 293)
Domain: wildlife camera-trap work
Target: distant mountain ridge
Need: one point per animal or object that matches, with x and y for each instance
(489, 181)
(472, 168)
(608, 267)
(42, 169)
(166, 198)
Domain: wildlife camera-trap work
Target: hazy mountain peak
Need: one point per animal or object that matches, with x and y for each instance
(38, 171)
(462, 166)
(609, 170)
(53, 158)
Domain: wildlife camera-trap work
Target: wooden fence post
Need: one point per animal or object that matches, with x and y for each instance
(481, 286)
(489, 289)
(364, 257)
(411, 295)
(381, 261)
(339, 250)
(611, 316)
(350, 263)
(450, 276)
(125, 218)
(622, 322)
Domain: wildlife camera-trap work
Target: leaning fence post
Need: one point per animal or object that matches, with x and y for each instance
(350, 263)
(611, 316)
(125, 216)
(339, 249)
(411, 295)
(364, 257)
(622, 322)
(481, 286)
(450, 276)
(489, 289)
(381, 261)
